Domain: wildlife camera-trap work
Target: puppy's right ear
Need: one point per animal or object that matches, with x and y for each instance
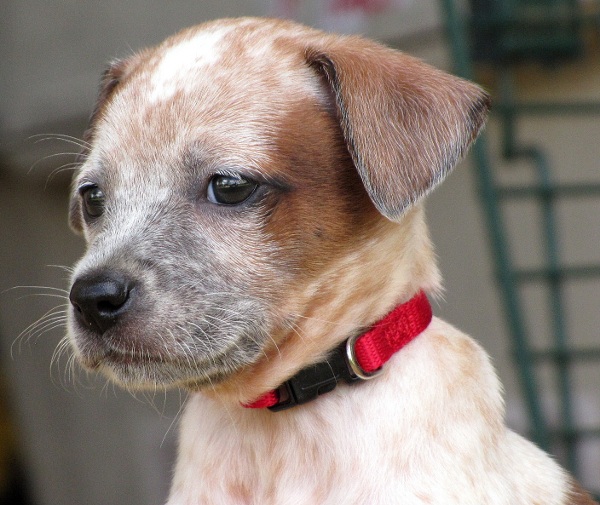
(405, 124)
(111, 78)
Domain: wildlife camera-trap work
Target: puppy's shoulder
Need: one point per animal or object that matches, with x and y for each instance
(446, 376)
(456, 355)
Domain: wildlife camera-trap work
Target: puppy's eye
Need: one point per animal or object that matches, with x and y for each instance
(230, 189)
(93, 201)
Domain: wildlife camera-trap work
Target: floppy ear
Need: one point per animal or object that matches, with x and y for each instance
(116, 73)
(406, 124)
(111, 78)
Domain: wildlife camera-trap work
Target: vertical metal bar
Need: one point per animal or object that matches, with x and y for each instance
(512, 150)
(457, 35)
(556, 305)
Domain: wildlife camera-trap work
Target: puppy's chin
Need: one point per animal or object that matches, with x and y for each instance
(146, 368)
(136, 373)
(153, 375)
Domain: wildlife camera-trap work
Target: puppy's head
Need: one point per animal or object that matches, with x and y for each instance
(250, 197)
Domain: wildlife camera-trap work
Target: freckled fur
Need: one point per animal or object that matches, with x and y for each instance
(347, 137)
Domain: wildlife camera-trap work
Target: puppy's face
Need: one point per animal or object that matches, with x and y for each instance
(230, 171)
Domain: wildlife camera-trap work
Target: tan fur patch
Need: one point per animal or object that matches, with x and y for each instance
(577, 496)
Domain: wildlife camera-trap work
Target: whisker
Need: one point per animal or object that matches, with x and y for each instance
(61, 348)
(49, 288)
(318, 319)
(49, 324)
(69, 376)
(176, 417)
(41, 325)
(46, 295)
(64, 348)
(49, 156)
(104, 389)
(63, 168)
(66, 268)
(69, 139)
(296, 328)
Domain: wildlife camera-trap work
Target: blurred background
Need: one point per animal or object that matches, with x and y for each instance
(516, 226)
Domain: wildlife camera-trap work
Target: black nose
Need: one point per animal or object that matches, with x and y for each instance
(101, 299)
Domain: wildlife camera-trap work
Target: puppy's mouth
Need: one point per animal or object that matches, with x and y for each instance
(123, 329)
(144, 366)
(120, 358)
(140, 372)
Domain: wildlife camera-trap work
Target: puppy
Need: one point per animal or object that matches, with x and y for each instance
(252, 203)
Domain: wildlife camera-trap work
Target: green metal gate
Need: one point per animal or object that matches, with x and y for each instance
(504, 33)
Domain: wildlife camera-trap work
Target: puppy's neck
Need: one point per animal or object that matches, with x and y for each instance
(384, 268)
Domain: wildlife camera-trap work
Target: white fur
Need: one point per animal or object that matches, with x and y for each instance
(416, 435)
(186, 57)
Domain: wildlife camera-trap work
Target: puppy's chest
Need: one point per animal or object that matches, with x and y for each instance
(272, 458)
(322, 462)
(428, 430)
(369, 443)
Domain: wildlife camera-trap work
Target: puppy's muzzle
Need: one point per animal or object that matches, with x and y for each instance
(100, 299)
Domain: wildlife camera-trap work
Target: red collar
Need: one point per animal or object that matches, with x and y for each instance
(358, 358)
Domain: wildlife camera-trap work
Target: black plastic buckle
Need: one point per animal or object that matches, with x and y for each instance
(315, 380)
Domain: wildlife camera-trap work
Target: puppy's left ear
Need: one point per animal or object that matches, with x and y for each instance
(406, 124)
(111, 79)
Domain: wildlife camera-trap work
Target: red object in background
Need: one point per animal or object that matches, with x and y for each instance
(287, 8)
(369, 6)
